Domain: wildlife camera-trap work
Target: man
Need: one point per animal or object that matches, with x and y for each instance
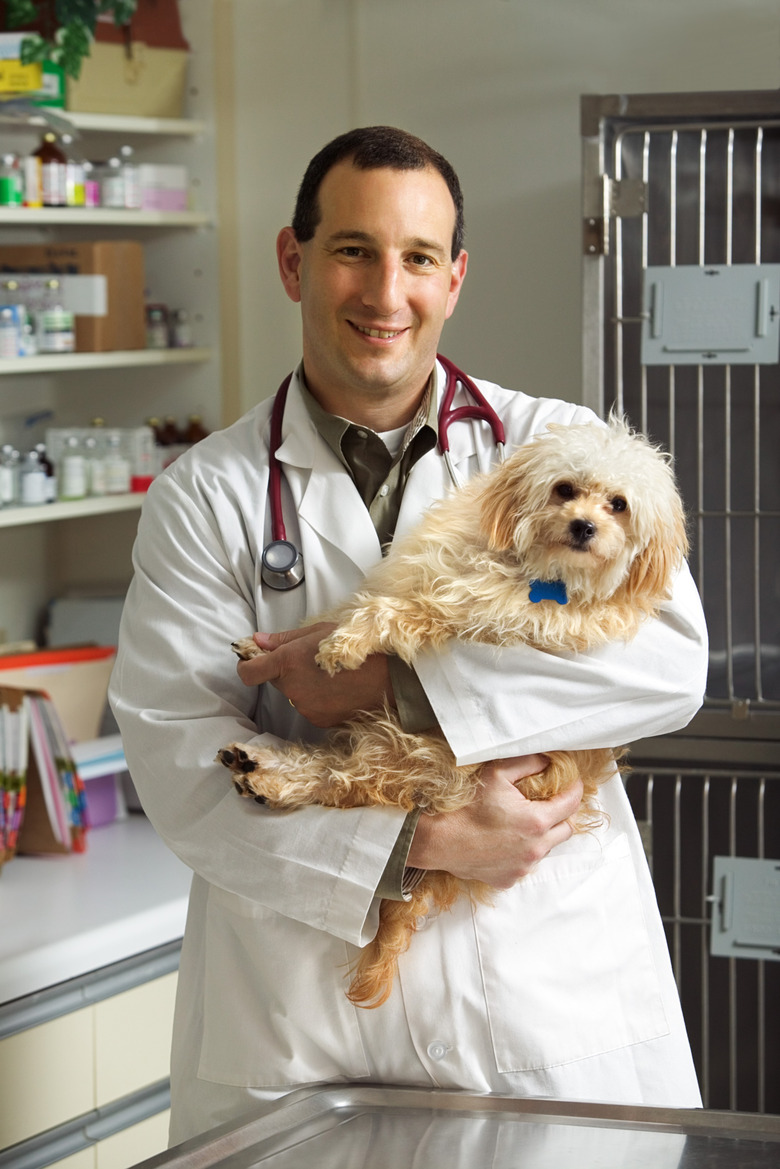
(563, 986)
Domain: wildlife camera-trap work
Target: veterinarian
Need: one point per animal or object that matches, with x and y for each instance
(563, 987)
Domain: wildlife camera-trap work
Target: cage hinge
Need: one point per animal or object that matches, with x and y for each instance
(626, 198)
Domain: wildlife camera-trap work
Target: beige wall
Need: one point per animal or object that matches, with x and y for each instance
(493, 84)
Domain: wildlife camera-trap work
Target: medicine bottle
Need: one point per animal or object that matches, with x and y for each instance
(112, 184)
(10, 181)
(10, 333)
(73, 482)
(56, 331)
(9, 476)
(117, 467)
(53, 172)
(32, 481)
(131, 175)
(195, 429)
(96, 466)
(48, 466)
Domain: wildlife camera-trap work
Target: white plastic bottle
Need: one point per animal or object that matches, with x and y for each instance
(9, 476)
(32, 480)
(72, 475)
(96, 465)
(117, 467)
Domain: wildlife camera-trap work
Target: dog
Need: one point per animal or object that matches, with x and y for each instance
(570, 543)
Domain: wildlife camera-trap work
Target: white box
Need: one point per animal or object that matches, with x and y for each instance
(163, 188)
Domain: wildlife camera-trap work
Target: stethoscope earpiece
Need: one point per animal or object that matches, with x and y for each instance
(282, 563)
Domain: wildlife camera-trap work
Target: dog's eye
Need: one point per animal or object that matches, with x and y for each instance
(564, 490)
(618, 503)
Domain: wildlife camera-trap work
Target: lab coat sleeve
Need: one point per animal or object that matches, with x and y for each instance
(497, 703)
(177, 699)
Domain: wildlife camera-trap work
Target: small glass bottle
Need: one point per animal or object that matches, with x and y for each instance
(156, 326)
(11, 191)
(73, 481)
(96, 466)
(56, 330)
(53, 169)
(74, 175)
(32, 481)
(169, 432)
(117, 467)
(195, 429)
(131, 176)
(10, 334)
(9, 476)
(48, 466)
(91, 185)
(181, 331)
(112, 184)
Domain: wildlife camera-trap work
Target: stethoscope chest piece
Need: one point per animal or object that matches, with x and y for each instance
(281, 565)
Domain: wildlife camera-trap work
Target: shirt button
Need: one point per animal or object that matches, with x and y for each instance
(384, 489)
(362, 434)
(437, 1050)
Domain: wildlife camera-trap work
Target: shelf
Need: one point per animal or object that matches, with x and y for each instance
(14, 517)
(112, 124)
(117, 359)
(99, 217)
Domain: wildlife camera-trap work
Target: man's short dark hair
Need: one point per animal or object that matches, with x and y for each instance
(372, 148)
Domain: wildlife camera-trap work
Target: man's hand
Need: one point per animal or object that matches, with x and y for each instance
(288, 664)
(501, 836)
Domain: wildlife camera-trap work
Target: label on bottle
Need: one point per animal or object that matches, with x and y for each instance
(33, 486)
(54, 184)
(73, 480)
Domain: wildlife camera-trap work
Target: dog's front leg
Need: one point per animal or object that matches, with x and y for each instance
(380, 625)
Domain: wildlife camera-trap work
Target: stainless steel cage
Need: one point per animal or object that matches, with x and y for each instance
(692, 181)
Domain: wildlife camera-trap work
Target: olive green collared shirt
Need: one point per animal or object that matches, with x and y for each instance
(380, 478)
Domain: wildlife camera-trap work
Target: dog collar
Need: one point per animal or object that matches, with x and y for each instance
(548, 590)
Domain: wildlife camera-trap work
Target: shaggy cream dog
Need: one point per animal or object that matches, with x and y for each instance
(570, 543)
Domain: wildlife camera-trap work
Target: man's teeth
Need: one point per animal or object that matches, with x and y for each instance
(383, 333)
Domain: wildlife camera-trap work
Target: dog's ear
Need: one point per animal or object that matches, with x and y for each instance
(651, 572)
(502, 504)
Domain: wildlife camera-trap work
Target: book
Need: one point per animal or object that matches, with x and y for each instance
(44, 805)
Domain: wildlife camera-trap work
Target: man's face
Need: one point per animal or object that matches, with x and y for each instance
(375, 285)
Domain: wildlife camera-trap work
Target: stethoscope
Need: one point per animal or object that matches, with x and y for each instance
(282, 563)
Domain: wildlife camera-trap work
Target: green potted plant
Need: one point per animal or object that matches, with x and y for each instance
(63, 29)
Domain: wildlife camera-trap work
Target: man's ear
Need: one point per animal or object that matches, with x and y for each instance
(456, 283)
(288, 255)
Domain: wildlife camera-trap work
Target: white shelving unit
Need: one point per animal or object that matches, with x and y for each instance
(116, 359)
(49, 550)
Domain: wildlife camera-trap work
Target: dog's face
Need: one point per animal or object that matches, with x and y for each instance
(594, 506)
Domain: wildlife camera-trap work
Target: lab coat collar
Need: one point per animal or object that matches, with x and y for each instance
(327, 504)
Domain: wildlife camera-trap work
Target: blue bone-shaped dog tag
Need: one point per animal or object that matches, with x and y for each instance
(548, 590)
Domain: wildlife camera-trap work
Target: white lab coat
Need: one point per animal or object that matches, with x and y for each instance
(562, 987)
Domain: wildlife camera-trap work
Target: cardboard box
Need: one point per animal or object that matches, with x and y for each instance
(122, 264)
(43, 84)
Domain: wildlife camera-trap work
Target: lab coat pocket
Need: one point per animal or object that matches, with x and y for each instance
(275, 1012)
(566, 962)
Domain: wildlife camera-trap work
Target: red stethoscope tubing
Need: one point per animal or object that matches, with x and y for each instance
(482, 411)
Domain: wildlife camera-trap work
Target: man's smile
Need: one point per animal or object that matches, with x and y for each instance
(382, 334)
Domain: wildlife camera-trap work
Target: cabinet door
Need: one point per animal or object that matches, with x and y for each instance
(46, 1076)
(133, 1038)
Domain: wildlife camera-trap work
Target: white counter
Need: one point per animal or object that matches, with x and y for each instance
(65, 916)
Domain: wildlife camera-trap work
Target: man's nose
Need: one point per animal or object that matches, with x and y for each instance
(383, 288)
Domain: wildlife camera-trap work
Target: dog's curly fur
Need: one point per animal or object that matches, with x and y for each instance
(593, 506)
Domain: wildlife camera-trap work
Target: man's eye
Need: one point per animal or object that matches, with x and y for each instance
(421, 261)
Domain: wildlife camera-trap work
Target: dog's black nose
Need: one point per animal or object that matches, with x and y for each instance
(582, 531)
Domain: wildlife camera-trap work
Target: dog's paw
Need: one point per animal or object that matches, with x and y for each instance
(241, 766)
(338, 652)
(246, 648)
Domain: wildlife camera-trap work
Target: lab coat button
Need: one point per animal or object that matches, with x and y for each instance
(437, 1050)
